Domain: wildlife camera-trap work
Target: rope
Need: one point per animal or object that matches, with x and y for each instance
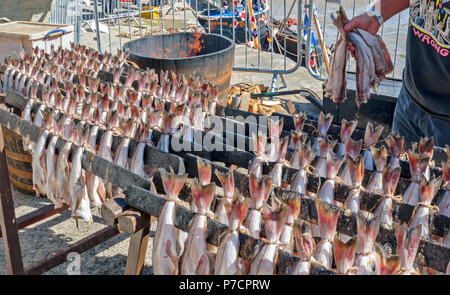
(278, 244)
(406, 271)
(433, 208)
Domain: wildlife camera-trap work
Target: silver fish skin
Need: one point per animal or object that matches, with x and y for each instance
(227, 260)
(259, 193)
(428, 190)
(6, 75)
(327, 223)
(336, 84)
(264, 262)
(50, 158)
(105, 152)
(39, 165)
(95, 188)
(62, 175)
(196, 259)
(166, 250)
(80, 204)
(362, 56)
(306, 246)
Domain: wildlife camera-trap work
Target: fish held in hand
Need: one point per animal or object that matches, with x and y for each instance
(336, 83)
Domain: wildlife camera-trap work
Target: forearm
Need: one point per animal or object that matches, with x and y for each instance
(389, 8)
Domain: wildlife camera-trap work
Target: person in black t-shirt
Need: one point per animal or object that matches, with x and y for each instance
(423, 106)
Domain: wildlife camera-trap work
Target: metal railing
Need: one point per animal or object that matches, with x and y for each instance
(260, 31)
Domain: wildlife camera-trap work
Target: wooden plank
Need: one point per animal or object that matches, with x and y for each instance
(11, 242)
(38, 215)
(79, 247)
(112, 208)
(152, 204)
(137, 250)
(131, 221)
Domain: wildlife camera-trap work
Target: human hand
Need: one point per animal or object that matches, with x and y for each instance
(364, 21)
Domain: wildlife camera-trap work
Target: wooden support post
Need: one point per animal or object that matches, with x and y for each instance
(112, 208)
(138, 225)
(8, 218)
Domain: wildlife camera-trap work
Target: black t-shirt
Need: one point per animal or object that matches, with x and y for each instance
(427, 68)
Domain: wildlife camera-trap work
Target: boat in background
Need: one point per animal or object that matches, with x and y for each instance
(220, 21)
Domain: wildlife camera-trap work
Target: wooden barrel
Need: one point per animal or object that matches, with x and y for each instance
(19, 162)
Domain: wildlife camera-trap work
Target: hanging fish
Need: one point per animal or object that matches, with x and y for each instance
(227, 260)
(334, 162)
(264, 261)
(344, 254)
(300, 178)
(305, 247)
(367, 227)
(356, 169)
(407, 245)
(375, 184)
(389, 183)
(196, 259)
(292, 202)
(259, 193)
(328, 216)
(166, 250)
(227, 181)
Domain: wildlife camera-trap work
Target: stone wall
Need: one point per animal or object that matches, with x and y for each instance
(26, 10)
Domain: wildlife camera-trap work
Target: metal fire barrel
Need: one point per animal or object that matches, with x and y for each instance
(19, 162)
(207, 55)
